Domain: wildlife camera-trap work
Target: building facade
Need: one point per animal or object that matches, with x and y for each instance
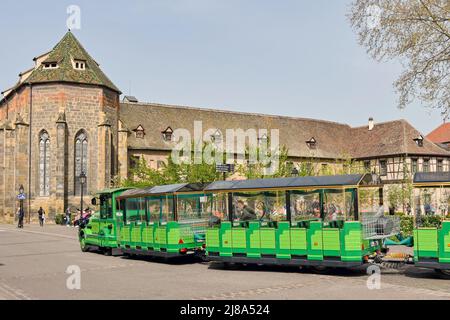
(64, 117)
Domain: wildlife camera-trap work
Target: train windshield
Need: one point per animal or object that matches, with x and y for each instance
(106, 210)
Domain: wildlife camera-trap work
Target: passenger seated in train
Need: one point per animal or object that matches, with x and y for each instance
(244, 212)
(215, 218)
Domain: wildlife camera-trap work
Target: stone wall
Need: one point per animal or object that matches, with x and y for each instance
(62, 110)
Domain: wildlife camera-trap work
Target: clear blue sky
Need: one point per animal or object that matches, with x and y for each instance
(296, 58)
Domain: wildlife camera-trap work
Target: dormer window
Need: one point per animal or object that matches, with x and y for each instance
(419, 141)
(216, 137)
(167, 134)
(311, 143)
(140, 132)
(79, 64)
(50, 65)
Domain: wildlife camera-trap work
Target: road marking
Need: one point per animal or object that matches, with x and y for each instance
(45, 233)
(39, 254)
(14, 293)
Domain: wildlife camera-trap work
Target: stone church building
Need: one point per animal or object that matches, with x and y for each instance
(65, 116)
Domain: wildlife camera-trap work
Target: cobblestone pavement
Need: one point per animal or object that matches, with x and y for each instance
(33, 264)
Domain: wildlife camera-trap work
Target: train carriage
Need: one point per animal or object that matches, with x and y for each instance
(432, 244)
(305, 221)
(166, 221)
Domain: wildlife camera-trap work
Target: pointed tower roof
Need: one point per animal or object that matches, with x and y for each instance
(65, 54)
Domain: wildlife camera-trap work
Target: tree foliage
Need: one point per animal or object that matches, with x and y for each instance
(190, 172)
(259, 169)
(418, 33)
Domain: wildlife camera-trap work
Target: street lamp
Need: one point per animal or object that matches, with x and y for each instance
(82, 183)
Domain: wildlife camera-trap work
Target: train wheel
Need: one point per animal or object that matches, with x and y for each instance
(443, 273)
(84, 247)
(321, 269)
(107, 251)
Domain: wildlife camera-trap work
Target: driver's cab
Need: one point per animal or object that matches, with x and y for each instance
(103, 222)
(103, 205)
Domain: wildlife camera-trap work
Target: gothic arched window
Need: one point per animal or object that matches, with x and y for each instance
(44, 164)
(81, 160)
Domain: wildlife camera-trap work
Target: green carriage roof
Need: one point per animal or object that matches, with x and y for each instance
(164, 189)
(263, 184)
(294, 182)
(113, 190)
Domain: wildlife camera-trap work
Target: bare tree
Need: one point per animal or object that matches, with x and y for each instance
(418, 33)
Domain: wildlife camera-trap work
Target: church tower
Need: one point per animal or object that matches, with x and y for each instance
(59, 120)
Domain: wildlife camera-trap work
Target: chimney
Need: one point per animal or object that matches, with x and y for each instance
(371, 124)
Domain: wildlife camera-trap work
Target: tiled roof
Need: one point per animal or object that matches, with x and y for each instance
(441, 134)
(334, 140)
(391, 138)
(67, 50)
(294, 132)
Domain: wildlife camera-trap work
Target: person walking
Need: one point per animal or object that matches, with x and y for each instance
(20, 215)
(41, 214)
(68, 217)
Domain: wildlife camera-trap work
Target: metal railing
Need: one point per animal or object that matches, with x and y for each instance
(379, 226)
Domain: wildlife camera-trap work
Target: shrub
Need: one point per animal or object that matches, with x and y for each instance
(429, 221)
(406, 225)
(59, 219)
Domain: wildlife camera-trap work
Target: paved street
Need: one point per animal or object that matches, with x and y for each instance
(33, 265)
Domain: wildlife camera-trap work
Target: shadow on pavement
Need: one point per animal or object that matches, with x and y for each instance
(171, 261)
(421, 273)
(352, 272)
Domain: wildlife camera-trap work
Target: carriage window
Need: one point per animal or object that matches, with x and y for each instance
(106, 206)
(135, 210)
(193, 207)
(304, 206)
(219, 207)
(153, 209)
(167, 213)
(262, 206)
(160, 209)
(338, 205)
(369, 201)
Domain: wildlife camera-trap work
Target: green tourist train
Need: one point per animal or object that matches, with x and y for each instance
(321, 222)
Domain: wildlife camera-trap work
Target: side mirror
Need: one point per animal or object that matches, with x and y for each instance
(94, 201)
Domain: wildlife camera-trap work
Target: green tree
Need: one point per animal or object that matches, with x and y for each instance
(418, 34)
(259, 169)
(185, 172)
